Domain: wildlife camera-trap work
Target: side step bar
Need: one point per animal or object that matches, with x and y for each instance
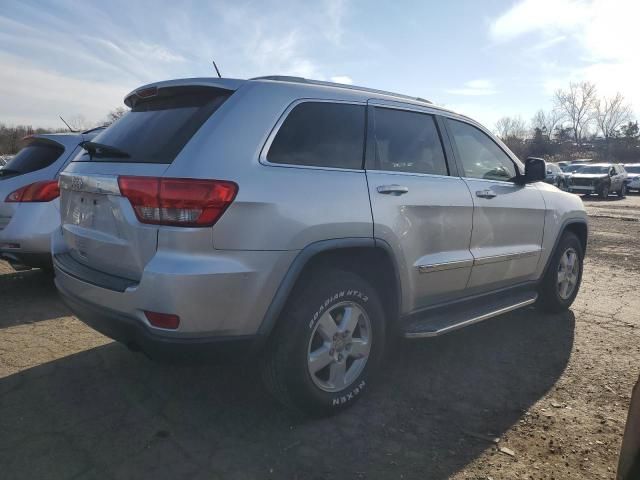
(447, 318)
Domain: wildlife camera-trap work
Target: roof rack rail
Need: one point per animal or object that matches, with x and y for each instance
(286, 78)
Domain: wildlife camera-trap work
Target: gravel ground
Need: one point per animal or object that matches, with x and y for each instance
(524, 395)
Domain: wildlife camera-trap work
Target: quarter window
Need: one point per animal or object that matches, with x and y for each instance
(481, 157)
(408, 142)
(321, 134)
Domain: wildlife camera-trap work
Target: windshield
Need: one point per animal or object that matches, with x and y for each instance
(156, 129)
(595, 169)
(572, 168)
(36, 155)
(633, 169)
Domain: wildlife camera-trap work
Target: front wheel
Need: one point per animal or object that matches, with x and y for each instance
(561, 281)
(327, 345)
(604, 192)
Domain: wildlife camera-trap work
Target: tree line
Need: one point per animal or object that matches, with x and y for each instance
(11, 136)
(580, 124)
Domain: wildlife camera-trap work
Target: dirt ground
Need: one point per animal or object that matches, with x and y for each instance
(551, 390)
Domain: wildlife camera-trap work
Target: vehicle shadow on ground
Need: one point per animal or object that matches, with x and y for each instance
(107, 412)
(28, 297)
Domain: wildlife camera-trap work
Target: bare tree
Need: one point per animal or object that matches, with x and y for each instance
(114, 115)
(509, 128)
(546, 121)
(611, 114)
(78, 123)
(578, 103)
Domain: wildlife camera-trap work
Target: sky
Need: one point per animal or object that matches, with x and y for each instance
(486, 59)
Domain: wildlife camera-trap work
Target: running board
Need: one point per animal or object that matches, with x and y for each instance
(444, 319)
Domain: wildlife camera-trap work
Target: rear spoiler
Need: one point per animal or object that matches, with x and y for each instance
(152, 89)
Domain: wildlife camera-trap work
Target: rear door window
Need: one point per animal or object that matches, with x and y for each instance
(408, 142)
(36, 155)
(157, 128)
(321, 134)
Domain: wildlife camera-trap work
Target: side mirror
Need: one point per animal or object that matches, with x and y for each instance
(535, 170)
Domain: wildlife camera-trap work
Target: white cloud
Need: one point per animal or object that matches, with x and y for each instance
(32, 96)
(534, 15)
(342, 79)
(605, 31)
(479, 87)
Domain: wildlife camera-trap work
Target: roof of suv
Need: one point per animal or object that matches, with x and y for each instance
(234, 84)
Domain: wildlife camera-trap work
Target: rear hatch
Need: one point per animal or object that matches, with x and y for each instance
(100, 228)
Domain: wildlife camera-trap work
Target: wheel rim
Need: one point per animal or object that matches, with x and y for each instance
(339, 347)
(568, 270)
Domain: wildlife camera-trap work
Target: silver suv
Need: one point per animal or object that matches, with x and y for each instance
(307, 222)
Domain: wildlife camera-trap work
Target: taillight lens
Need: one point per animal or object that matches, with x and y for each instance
(35, 192)
(181, 202)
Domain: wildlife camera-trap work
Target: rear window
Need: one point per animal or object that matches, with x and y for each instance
(634, 169)
(157, 128)
(321, 134)
(36, 155)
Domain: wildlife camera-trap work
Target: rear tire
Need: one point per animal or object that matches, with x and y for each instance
(561, 282)
(334, 326)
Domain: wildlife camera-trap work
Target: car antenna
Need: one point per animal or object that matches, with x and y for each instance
(70, 129)
(216, 67)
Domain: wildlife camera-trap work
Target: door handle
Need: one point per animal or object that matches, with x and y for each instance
(485, 194)
(392, 189)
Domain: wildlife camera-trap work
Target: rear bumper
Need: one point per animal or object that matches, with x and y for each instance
(28, 232)
(223, 294)
(139, 337)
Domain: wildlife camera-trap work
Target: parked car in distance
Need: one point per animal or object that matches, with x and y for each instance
(567, 172)
(306, 222)
(29, 205)
(633, 176)
(554, 174)
(563, 164)
(601, 179)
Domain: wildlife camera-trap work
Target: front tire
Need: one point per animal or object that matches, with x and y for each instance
(604, 192)
(562, 279)
(327, 345)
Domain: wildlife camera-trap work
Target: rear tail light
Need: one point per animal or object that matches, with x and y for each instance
(163, 320)
(35, 192)
(181, 202)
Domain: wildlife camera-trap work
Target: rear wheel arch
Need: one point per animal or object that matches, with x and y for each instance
(370, 259)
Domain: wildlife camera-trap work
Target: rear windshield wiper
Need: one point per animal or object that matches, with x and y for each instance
(100, 150)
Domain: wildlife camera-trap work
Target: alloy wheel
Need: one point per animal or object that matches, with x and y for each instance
(339, 347)
(568, 271)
